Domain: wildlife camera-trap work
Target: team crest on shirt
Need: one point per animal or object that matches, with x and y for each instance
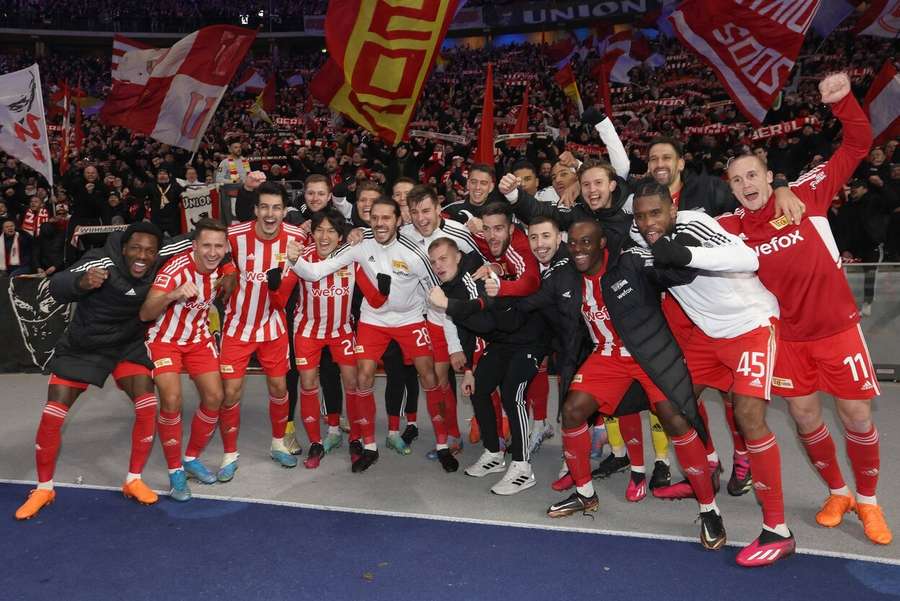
(164, 362)
(400, 267)
(343, 272)
(780, 223)
(280, 257)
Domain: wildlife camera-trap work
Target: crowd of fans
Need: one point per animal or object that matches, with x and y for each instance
(164, 15)
(116, 176)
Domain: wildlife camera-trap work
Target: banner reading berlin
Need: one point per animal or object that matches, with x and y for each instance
(752, 46)
(379, 57)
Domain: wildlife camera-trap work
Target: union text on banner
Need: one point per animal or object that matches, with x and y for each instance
(198, 202)
(23, 124)
(379, 56)
(752, 46)
(180, 87)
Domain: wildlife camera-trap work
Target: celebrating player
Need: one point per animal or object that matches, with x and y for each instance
(179, 302)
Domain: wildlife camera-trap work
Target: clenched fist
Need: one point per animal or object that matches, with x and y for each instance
(94, 278)
(293, 251)
(834, 87)
(508, 183)
(186, 291)
(437, 298)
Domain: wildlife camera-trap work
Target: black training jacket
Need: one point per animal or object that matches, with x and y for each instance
(631, 290)
(107, 317)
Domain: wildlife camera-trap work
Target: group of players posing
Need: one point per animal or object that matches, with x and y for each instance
(675, 301)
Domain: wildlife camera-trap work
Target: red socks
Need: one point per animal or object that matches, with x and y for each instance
(822, 454)
(434, 398)
(142, 432)
(48, 439)
(393, 423)
(309, 413)
(365, 416)
(765, 465)
(169, 425)
(229, 426)
(692, 457)
(633, 435)
(450, 417)
(862, 449)
(709, 446)
(334, 419)
(352, 413)
(278, 415)
(537, 393)
(577, 450)
(202, 427)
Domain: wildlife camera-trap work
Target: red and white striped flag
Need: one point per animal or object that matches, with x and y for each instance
(170, 94)
(882, 103)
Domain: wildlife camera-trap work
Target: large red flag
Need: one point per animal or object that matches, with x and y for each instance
(521, 125)
(751, 47)
(601, 73)
(379, 54)
(181, 86)
(484, 153)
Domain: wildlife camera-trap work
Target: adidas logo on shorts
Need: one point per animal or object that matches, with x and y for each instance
(756, 383)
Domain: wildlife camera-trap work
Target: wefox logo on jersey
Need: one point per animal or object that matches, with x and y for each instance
(600, 314)
(255, 276)
(326, 292)
(777, 243)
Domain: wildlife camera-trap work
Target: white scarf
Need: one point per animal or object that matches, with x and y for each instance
(15, 258)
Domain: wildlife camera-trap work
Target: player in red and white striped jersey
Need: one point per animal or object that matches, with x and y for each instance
(322, 320)
(179, 302)
(822, 344)
(253, 325)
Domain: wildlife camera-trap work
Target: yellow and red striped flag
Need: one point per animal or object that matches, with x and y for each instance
(565, 77)
(380, 54)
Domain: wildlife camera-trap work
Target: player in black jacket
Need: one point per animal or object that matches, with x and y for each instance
(104, 337)
(516, 345)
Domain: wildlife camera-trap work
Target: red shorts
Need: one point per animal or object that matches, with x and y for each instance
(196, 357)
(742, 364)
(309, 350)
(839, 365)
(372, 340)
(124, 369)
(438, 343)
(607, 378)
(235, 356)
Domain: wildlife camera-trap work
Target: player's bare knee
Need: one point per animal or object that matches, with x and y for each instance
(750, 415)
(856, 416)
(576, 410)
(673, 422)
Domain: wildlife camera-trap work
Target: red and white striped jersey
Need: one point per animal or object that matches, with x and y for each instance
(323, 307)
(185, 321)
(596, 316)
(250, 316)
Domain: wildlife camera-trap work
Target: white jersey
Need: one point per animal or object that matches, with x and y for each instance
(726, 299)
(409, 267)
(466, 243)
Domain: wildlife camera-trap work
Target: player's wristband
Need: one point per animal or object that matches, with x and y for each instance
(779, 183)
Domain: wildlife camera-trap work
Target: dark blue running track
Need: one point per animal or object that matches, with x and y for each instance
(93, 545)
